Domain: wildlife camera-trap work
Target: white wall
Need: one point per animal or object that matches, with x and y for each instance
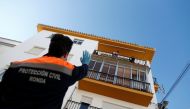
(4, 48)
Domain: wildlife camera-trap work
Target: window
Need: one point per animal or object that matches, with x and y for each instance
(112, 69)
(78, 41)
(142, 76)
(97, 66)
(85, 102)
(36, 50)
(127, 75)
(109, 68)
(108, 72)
(134, 74)
(105, 68)
(91, 64)
(120, 72)
(127, 72)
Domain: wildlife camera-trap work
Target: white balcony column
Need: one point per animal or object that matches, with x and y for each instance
(98, 77)
(116, 71)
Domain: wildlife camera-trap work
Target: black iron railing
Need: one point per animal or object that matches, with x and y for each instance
(121, 81)
(76, 105)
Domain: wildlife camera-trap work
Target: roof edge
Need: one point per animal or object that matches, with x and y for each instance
(147, 49)
(40, 27)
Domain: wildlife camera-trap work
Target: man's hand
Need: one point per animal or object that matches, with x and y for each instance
(85, 59)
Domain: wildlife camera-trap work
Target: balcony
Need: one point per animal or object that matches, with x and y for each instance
(121, 88)
(120, 81)
(76, 105)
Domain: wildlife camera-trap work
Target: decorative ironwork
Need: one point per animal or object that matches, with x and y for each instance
(121, 81)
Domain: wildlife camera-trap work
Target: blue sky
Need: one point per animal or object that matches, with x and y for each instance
(161, 24)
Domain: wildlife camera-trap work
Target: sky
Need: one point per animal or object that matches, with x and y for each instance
(161, 24)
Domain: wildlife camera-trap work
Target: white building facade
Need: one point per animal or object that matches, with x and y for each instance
(119, 74)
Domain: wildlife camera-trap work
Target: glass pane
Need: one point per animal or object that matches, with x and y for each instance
(91, 65)
(97, 66)
(127, 73)
(105, 68)
(142, 76)
(120, 71)
(127, 77)
(110, 77)
(134, 74)
(112, 70)
(103, 75)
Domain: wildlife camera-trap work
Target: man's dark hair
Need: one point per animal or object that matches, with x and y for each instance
(60, 45)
